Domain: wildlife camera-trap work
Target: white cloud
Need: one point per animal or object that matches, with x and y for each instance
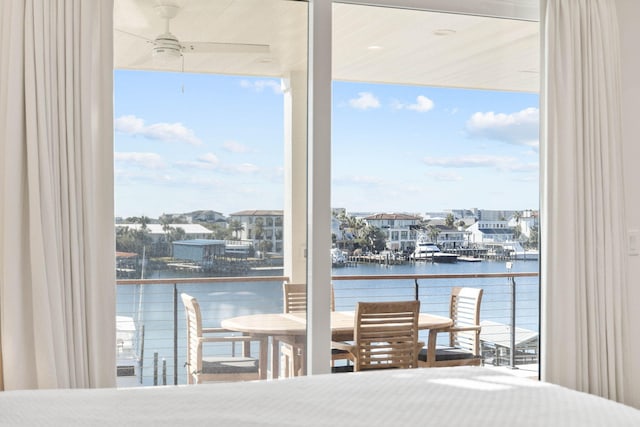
(235, 147)
(129, 124)
(170, 132)
(519, 128)
(209, 158)
(130, 176)
(261, 85)
(145, 160)
(206, 161)
(245, 168)
(364, 101)
(422, 105)
(482, 161)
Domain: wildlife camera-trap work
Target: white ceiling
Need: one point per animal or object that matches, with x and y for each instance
(370, 44)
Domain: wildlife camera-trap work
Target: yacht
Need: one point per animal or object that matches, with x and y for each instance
(429, 251)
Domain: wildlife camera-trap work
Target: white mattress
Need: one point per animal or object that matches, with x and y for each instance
(437, 396)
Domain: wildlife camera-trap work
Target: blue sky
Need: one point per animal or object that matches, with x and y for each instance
(185, 142)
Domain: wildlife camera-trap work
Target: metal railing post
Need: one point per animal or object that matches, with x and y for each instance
(142, 355)
(175, 334)
(512, 355)
(155, 368)
(164, 371)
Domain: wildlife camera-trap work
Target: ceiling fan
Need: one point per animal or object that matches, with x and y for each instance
(168, 47)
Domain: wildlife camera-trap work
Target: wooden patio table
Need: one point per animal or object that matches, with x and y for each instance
(293, 328)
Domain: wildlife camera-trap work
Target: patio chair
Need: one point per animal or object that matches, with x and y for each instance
(464, 334)
(385, 335)
(218, 368)
(295, 301)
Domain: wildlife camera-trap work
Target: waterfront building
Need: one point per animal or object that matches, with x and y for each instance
(198, 250)
(398, 227)
(483, 232)
(207, 216)
(263, 228)
(494, 215)
(526, 222)
(448, 237)
(159, 233)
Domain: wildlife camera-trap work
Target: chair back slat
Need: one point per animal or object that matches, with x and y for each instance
(464, 310)
(386, 335)
(294, 297)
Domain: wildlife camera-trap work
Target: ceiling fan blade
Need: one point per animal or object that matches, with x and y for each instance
(213, 47)
(133, 35)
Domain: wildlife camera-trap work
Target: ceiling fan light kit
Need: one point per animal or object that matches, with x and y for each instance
(167, 46)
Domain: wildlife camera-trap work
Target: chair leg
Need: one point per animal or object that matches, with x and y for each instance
(297, 362)
(289, 361)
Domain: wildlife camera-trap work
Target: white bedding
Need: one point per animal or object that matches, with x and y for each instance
(470, 396)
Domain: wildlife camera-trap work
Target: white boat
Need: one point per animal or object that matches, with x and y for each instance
(469, 258)
(127, 359)
(429, 251)
(518, 252)
(338, 258)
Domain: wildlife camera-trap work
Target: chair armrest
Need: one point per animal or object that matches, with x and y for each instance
(246, 340)
(343, 346)
(228, 339)
(464, 328)
(214, 330)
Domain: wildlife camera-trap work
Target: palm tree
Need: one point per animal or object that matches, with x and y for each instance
(517, 232)
(220, 232)
(517, 215)
(236, 226)
(142, 220)
(174, 234)
(259, 229)
(433, 232)
(533, 238)
(450, 220)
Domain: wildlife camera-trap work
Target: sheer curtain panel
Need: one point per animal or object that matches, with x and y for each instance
(583, 237)
(57, 281)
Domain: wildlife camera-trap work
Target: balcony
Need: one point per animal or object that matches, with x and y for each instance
(151, 325)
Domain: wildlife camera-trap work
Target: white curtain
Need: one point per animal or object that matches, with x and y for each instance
(57, 281)
(583, 236)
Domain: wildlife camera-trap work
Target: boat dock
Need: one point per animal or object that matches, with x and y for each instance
(385, 258)
(464, 255)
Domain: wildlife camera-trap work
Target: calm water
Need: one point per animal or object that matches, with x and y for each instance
(152, 305)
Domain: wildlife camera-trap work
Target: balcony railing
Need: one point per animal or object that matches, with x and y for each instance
(151, 325)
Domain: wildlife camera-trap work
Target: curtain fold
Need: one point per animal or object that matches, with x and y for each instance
(57, 287)
(583, 308)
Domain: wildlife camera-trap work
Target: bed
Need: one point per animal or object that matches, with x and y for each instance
(439, 396)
